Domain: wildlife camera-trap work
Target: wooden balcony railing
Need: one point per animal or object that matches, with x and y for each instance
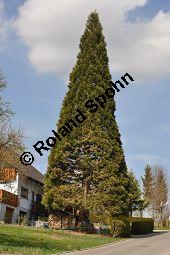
(7, 175)
(8, 198)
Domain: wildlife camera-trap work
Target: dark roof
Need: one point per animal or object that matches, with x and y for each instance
(28, 171)
(32, 172)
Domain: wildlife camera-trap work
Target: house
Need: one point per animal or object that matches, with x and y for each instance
(169, 207)
(20, 193)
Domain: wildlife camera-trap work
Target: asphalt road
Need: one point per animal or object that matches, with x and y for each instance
(157, 243)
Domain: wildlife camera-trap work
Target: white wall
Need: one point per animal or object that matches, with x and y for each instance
(3, 211)
(11, 187)
(15, 188)
(25, 204)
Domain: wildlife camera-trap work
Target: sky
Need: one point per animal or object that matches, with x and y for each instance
(38, 47)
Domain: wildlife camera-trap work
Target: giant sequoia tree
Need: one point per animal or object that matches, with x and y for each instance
(86, 169)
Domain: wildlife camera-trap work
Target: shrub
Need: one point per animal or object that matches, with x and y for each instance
(6, 218)
(141, 226)
(87, 227)
(120, 226)
(117, 227)
(23, 220)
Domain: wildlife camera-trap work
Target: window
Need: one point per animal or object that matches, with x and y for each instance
(24, 193)
(38, 199)
(33, 196)
(22, 213)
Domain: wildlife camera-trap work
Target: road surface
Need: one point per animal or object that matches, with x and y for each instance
(157, 243)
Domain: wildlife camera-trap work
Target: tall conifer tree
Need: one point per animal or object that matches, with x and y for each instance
(87, 169)
(136, 201)
(148, 183)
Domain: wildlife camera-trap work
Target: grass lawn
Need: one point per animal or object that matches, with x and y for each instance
(29, 241)
(163, 228)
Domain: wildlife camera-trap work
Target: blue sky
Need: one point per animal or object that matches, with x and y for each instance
(36, 85)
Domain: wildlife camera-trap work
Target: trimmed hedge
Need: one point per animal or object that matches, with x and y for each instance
(117, 227)
(123, 226)
(141, 226)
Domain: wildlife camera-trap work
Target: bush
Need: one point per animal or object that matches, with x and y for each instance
(23, 220)
(87, 227)
(6, 218)
(117, 227)
(141, 226)
(120, 227)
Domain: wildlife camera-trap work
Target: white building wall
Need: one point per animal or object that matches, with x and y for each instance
(12, 186)
(32, 186)
(3, 211)
(15, 188)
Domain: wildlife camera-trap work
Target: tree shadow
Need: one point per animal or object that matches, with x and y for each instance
(153, 234)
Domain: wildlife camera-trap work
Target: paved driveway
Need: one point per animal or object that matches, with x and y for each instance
(157, 243)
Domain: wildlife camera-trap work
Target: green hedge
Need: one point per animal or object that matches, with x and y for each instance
(141, 226)
(117, 227)
(123, 226)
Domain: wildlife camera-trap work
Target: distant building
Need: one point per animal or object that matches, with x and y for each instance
(20, 193)
(169, 209)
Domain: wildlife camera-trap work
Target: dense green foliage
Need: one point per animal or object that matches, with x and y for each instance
(148, 183)
(135, 193)
(87, 169)
(120, 227)
(141, 226)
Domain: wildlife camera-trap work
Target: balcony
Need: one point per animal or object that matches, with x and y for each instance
(7, 175)
(8, 198)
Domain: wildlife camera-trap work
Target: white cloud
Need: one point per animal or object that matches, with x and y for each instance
(3, 26)
(51, 30)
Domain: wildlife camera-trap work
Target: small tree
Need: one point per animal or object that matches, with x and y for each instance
(148, 188)
(135, 194)
(148, 181)
(10, 138)
(160, 197)
(156, 192)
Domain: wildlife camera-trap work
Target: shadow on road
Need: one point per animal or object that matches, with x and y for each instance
(155, 233)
